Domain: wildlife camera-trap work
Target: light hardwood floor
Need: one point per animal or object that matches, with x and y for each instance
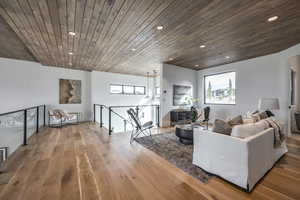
(83, 162)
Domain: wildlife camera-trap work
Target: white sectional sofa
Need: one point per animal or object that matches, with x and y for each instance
(240, 161)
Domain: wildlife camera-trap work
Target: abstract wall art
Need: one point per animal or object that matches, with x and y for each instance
(180, 94)
(69, 91)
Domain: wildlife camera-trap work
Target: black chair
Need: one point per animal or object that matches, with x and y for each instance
(138, 127)
(206, 111)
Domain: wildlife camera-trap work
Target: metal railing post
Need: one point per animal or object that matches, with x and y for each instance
(94, 113)
(25, 128)
(37, 119)
(157, 115)
(101, 110)
(44, 115)
(109, 121)
(125, 124)
(137, 111)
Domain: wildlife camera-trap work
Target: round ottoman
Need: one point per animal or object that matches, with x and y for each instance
(184, 133)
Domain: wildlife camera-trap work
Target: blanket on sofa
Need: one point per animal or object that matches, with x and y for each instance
(278, 134)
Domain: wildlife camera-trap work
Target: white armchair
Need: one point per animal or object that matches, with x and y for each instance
(57, 118)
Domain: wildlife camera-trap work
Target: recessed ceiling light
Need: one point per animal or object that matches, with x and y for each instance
(70, 63)
(72, 33)
(170, 59)
(202, 46)
(196, 65)
(227, 57)
(159, 27)
(133, 49)
(71, 53)
(274, 18)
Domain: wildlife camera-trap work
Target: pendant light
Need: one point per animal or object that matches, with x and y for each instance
(148, 84)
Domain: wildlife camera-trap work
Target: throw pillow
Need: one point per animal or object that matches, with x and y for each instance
(255, 117)
(263, 115)
(269, 113)
(220, 126)
(236, 120)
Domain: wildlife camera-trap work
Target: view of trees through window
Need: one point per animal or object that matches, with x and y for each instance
(220, 88)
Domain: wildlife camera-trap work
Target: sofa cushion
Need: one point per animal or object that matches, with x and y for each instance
(236, 120)
(221, 126)
(246, 130)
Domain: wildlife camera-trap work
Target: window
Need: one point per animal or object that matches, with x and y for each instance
(127, 89)
(220, 88)
(140, 90)
(157, 91)
(116, 89)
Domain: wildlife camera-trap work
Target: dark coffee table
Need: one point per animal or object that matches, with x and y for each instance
(185, 133)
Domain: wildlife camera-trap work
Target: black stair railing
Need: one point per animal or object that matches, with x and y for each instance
(112, 111)
(25, 116)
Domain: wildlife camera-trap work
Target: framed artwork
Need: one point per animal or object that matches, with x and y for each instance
(181, 94)
(220, 88)
(69, 91)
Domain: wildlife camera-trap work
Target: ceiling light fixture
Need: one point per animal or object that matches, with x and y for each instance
(227, 57)
(196, 65)
(170, 59)
(159, 27)
(133, 49)
(202, 46)
(71, 53)
(72, 33)
(274, 18)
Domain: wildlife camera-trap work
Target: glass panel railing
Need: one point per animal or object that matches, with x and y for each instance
(116, 118)
(31, 122)
(11, 131)
(17, 126)
(117, 123)
(97, 114)
(41, 116)
(123, 122)
(105, 117)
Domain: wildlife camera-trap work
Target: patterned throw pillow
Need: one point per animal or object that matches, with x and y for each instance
(220, 126)
(236, 120)
(263, 115)
(255, 117)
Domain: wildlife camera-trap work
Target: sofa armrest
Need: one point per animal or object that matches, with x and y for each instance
(260, 155)
(222, 155)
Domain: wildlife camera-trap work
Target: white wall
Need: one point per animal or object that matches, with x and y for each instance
(100, 87)
(174, 75)
(266, 76)
(25, 84)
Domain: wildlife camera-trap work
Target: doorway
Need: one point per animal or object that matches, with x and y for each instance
(294, 121)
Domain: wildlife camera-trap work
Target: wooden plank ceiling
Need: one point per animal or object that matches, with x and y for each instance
(11, 45)
(121, 35)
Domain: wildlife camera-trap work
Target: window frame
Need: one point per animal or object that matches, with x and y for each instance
(116, 85)
(140, 87)
(157, 94)
(124, 93)
(204, 84)
(133, 87)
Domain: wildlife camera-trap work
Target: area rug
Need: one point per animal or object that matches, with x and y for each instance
(168, 146)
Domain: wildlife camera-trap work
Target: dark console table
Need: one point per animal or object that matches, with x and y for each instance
(181, 117)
